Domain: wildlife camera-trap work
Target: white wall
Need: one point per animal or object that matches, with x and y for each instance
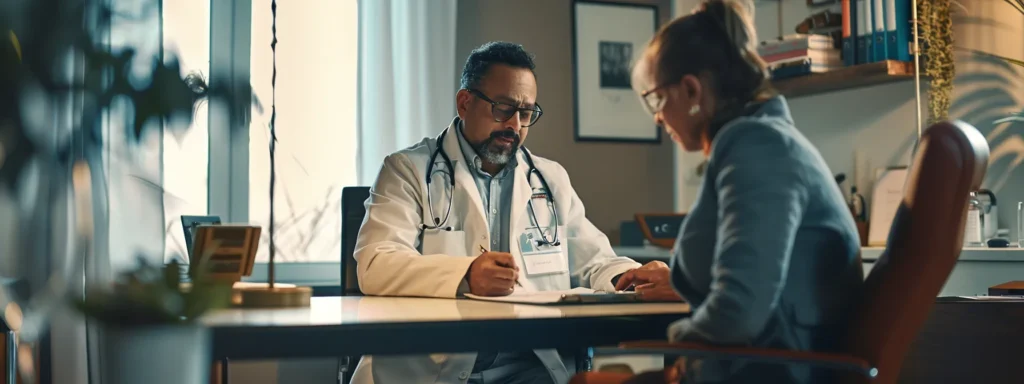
(879, 122)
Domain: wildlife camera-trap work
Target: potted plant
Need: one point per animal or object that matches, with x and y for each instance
(41, 150)
(149, 325)
(935, 28)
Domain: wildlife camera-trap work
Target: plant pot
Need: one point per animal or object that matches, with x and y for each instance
(161, 354)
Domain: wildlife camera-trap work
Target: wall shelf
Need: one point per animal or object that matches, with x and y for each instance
(856, 76)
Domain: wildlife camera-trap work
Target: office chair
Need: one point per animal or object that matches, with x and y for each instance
(924, 243)
(353, 209)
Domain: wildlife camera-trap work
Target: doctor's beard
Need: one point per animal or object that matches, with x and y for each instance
(495, 153)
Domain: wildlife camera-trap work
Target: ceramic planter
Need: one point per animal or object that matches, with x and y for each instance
(162, 354)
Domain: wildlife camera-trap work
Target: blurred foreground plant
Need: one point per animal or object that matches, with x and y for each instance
(154, 295)
(59, 79)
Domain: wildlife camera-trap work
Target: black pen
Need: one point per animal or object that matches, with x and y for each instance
(484, 250)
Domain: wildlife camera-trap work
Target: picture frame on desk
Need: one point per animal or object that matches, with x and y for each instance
(608, 38)
(224, 252)
(660, 229)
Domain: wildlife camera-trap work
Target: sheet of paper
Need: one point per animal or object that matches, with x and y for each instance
(997, 298)
(885, 200)
(542, 297)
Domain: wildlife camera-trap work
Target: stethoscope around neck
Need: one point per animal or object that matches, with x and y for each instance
(442, 223)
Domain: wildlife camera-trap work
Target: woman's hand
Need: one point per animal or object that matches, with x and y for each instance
(673, 374)
(652, 281)
(676, 372)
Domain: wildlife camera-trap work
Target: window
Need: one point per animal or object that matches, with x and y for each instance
(317, 54)
(186, 33)
(216, 170)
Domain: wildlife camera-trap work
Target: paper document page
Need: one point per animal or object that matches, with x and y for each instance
(885, 201)
(995, 298)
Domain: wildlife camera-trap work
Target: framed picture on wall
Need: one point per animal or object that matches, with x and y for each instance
(608, 38)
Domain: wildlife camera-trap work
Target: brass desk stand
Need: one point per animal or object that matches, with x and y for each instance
(228, 252)
(277, 297)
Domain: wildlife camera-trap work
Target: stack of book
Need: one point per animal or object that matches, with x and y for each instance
(801, 54)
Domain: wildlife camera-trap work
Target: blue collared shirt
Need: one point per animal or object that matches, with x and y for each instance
(496, 196)
(495, 193)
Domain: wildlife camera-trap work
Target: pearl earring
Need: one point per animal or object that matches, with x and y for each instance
(694, 109)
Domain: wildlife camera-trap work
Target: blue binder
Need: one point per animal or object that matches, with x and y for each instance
(899, 30)
(878, 20)
(864, 36)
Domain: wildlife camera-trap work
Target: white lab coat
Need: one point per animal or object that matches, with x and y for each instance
(397, 258)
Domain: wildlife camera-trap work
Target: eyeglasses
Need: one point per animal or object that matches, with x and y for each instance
(652, 101)
(503, 111)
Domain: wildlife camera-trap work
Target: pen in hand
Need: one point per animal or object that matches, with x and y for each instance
(484, 250)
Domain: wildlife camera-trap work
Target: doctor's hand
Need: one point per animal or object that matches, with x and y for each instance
(652, 281)
(493, 274)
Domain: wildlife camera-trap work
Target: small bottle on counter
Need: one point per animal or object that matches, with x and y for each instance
(1020, 224)
(860, 217)
(973, 231)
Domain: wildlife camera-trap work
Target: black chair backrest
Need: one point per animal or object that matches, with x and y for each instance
(352, 212)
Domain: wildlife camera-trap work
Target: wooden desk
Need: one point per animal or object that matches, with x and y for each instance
(644, 254)
(351, 325)
(968, 341)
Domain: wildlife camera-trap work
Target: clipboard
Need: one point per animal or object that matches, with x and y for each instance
(575, 296)
(600, 298)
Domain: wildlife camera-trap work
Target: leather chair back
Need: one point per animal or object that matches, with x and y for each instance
(353, 211)
(924, 243)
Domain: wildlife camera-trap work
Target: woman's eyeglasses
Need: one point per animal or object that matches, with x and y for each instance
(503, 111)
(653, 101)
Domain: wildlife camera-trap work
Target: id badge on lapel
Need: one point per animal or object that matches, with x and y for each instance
(541, 258)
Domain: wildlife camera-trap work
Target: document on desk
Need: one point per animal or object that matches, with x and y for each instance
(993, 298)
(572, 296)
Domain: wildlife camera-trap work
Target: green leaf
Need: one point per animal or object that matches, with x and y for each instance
(1015, 118)
(1016, 62)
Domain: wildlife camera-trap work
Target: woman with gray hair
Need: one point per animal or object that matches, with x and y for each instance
(768, 255)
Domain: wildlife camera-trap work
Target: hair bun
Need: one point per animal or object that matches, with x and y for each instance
(736, 18)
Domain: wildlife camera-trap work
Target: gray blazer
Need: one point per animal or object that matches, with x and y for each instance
(768, 254)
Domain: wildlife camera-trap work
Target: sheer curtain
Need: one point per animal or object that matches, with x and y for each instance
(407, 76)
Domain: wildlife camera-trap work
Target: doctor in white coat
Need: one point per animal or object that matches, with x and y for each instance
(493, 218)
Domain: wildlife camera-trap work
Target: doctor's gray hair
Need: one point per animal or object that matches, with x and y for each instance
(495, 52)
